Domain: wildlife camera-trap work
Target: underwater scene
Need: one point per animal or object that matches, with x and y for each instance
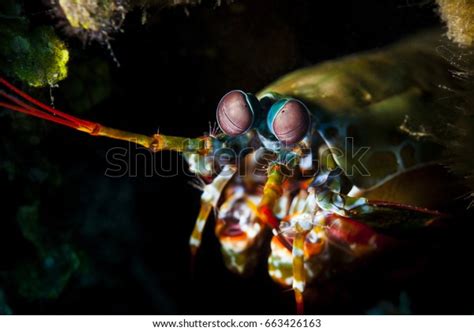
(236, 157)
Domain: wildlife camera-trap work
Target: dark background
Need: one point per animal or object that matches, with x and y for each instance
(131, 233)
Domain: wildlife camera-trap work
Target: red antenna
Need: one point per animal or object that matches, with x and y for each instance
(41, 110)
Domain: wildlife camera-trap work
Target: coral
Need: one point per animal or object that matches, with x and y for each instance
(92, 19)
(170, 3)
(459, 17)
(456, 131)
(98, 19)
(34, 55)
(40, 58)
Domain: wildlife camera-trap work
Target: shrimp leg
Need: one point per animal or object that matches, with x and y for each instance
(209, 200)
(272, 191)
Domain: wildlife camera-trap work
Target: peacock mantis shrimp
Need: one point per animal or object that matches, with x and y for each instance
(325, 150)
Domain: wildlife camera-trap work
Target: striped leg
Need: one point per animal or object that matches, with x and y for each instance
(299, 277)
(272, 191)
(303, 224)
(209, 198)
(196, 236)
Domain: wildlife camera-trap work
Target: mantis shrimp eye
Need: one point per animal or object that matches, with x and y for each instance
(288, 120)
(234, 113)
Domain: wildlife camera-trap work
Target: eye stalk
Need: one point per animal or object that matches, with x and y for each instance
(288, 120)
(235, 113)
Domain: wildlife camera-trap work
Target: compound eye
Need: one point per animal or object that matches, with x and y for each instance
(288, 120)
(234, 113)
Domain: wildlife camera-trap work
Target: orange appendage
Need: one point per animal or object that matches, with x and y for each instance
(266, 215)
(299, 303)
